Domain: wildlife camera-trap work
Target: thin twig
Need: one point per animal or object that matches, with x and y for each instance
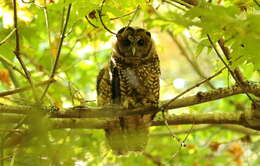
(229, 69)
(193, 64)
(226, 52)
(101, 20)
(13, 157)
(7, 37)
(24, 119)
(10, 64)
(46, 72)
(18, 90)
(124, 15)
(72, 27)
(11, 130)
(91, 22)
(70, 90)
(257, 3)
(197, 68)
(164, 106)
(17, 53)
(178, 7)
(5, 158)
(222, 60)
(135, 14)
(62, 18)
(154, 159)
(32, 1)
(12, 75)
(45, 11)
(183, 3)
(182, 131)
(174, 136)
(168, 128)
(182, 144)
(58, 53)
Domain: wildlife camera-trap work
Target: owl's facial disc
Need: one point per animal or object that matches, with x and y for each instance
(134, 44)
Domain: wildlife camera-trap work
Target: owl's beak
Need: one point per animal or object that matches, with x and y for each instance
(133, 50)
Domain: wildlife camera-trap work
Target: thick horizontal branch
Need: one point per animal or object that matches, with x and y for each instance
(187, 118)
(237, 118)
(113, 111)
(76, 117)
(205, 118)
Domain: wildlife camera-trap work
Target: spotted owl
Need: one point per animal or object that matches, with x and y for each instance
(130, 80)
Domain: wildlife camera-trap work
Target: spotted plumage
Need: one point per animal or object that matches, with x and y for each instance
(130, 80)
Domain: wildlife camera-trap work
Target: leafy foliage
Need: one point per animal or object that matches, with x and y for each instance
(87, 48)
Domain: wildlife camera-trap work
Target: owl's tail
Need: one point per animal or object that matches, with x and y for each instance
(128, 134)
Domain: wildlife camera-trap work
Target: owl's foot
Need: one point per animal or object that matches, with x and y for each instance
(129, 102)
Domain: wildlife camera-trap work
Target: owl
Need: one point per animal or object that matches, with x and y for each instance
(130, 80)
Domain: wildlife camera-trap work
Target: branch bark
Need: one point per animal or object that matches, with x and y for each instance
(238, 118)
(80, 113)
(226, 52)
(224, 119)
(18, 55)
(110, 112)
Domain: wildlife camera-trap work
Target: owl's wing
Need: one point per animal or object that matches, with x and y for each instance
(108, 91)
(103, 86)
(116, 94)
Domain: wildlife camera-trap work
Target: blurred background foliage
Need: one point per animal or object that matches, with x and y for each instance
(180, 34)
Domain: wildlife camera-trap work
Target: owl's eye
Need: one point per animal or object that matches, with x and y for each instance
(148, 34)
(126, 42)
(140, 42)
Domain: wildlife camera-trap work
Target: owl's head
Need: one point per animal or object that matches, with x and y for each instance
(134, 44)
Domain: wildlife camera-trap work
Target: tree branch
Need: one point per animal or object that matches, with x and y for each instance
(194, 65)
(7, 37)
(101, 20)
(17, 52)
(109, 112)
(230, 127)
(173, 4)
(257, 3)
(229, 69)
(240, 129)
(238, 118)
(164, 106)
(183, 3)
(12, 75)
(11, 65)
(18, 90)
(181, 131)
(154, 159)
(205, 118)
(58, 53)
(223, 119)
(226, 52)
